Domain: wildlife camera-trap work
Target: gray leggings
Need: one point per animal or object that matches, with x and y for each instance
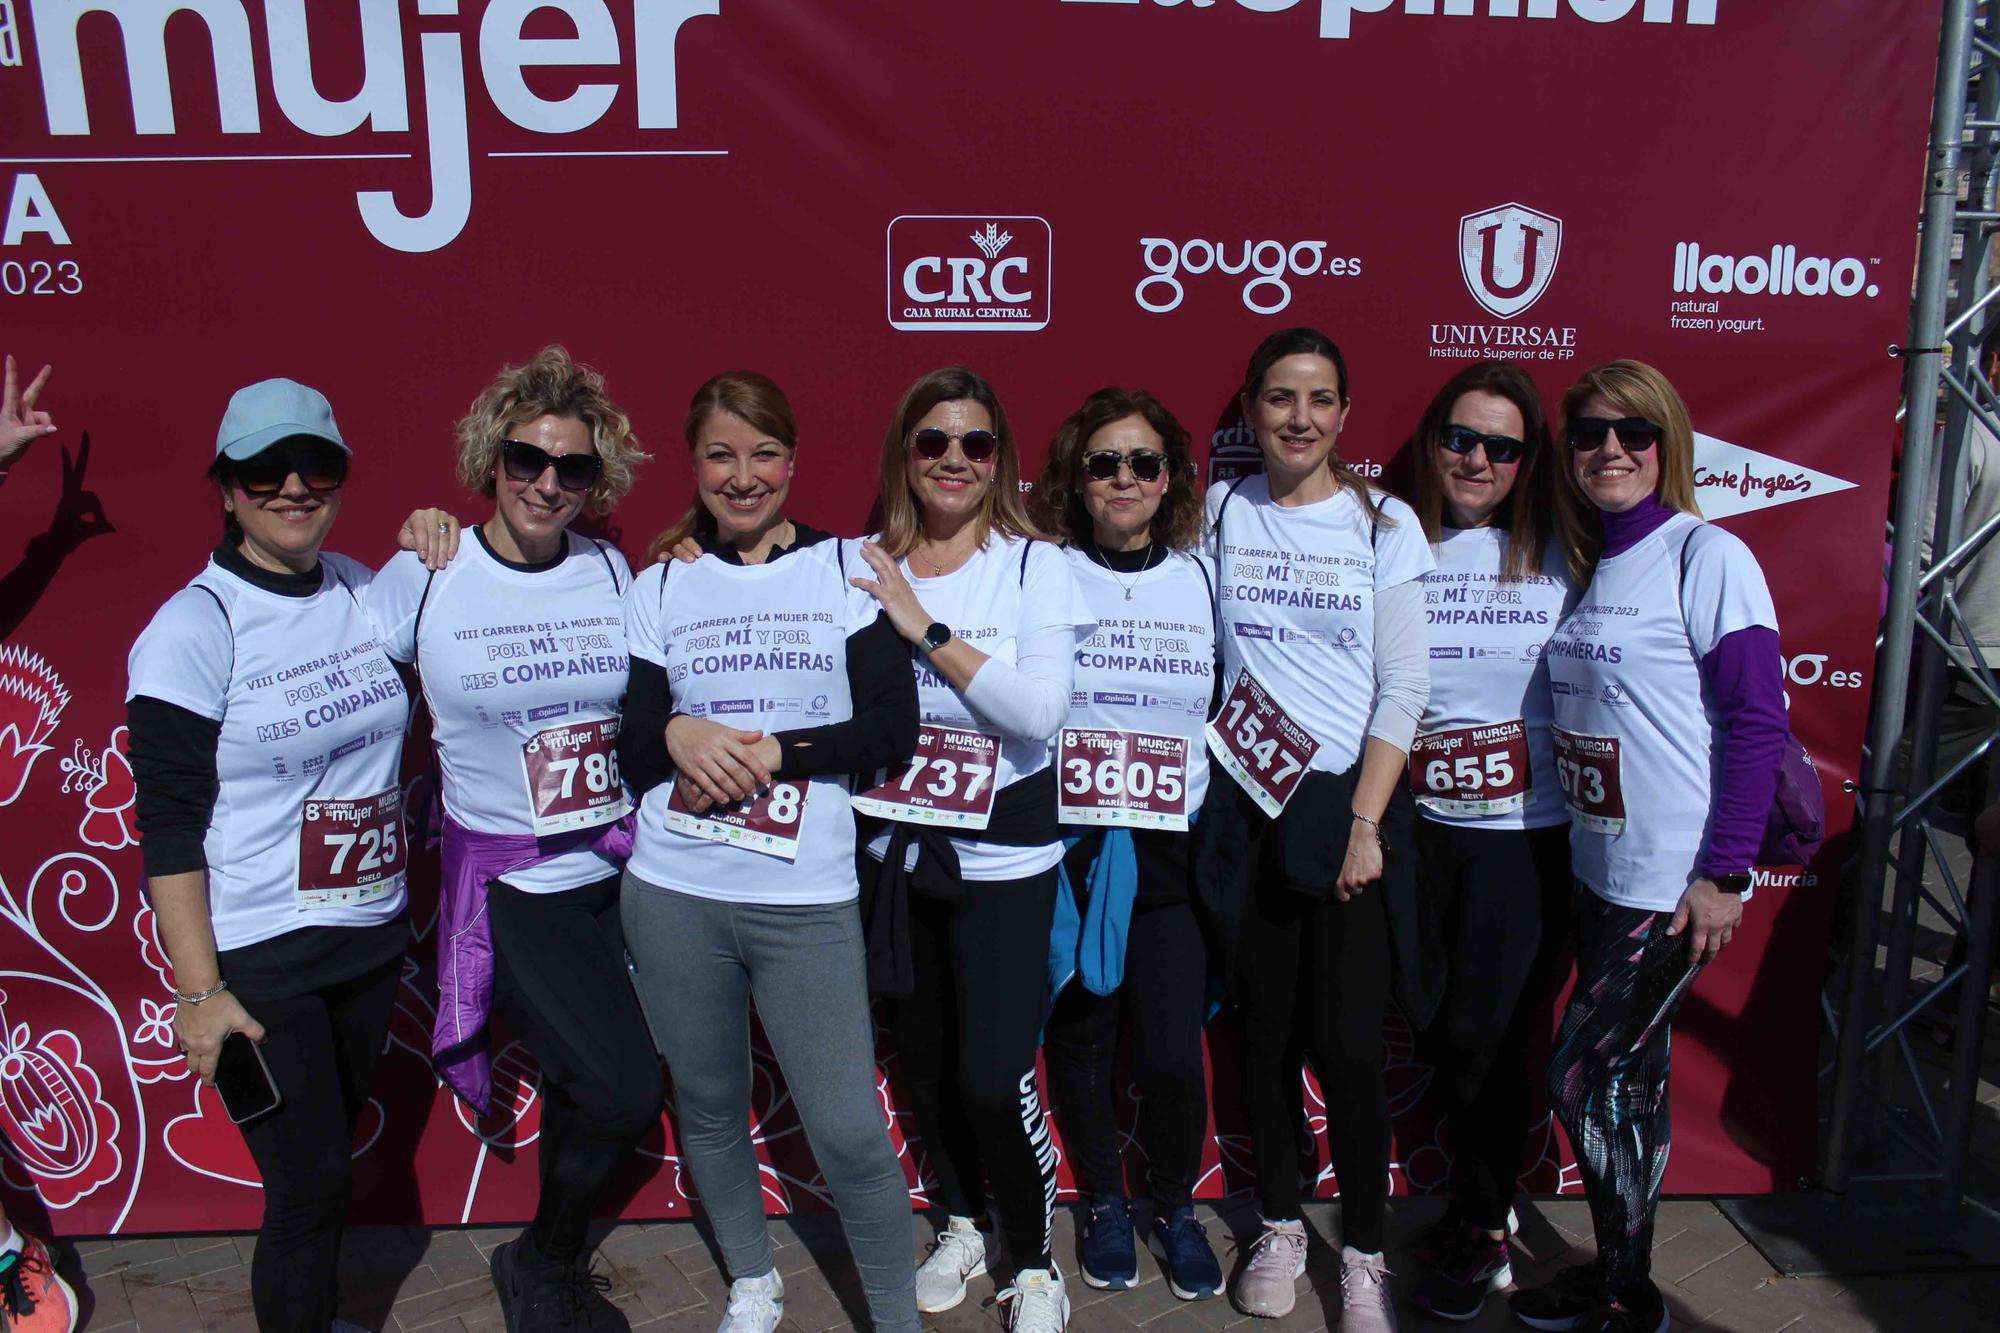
(699, 964)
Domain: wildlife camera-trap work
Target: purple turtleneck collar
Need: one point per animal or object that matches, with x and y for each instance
(1624, 531)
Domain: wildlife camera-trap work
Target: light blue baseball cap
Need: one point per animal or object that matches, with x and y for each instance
(263, 413)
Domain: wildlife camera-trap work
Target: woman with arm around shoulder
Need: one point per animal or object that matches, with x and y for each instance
(760, 680)
(266, 733)
(1120, 490)
(959, 919)
(520, 645)
(1322, 611)
(1668, 687)
(1493, 833)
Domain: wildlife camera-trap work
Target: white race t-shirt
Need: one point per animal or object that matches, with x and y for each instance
(1298, 587)
(994, 602)
(311, 711)
(1487, 639)
(1150, 665)
(507, 653)
(1633, 731)
(759, 648)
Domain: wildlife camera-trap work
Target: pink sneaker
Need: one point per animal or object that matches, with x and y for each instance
(1364, 1293)
(33, 1299)
(1268, 1287)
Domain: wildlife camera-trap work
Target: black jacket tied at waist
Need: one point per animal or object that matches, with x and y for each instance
(1024, 815)
(1304, 846)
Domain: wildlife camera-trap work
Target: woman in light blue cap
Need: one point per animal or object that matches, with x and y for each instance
(266, 738)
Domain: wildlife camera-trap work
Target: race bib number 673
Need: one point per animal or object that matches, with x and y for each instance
(1259, 744)
(1587, 767)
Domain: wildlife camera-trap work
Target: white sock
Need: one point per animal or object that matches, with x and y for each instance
(13, 1242)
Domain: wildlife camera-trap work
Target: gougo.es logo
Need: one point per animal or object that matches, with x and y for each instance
(1270, 266)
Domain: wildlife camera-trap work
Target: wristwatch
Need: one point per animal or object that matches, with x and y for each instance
(936, 637)
(1736, 883)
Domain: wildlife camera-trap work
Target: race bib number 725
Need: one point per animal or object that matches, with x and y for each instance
(351, 851)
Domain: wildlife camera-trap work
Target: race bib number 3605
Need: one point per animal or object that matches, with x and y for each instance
(572, 775)
(1128, 779)
(351, 851)
(1472, 771)
(948, 782)
(1587, 767)
(1260, 746)
(768, 824)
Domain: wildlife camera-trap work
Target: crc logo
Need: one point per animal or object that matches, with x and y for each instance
(970, 272)
(1508, 254)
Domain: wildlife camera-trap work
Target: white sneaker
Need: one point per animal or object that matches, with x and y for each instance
(1038, 1302)
(756, 1304)
(958, 1254)
(1364, 1293)
(1268, 1285)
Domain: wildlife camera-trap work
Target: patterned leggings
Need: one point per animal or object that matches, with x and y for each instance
(1608, 1078)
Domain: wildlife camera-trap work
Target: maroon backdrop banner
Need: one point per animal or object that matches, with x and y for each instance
(391, 200)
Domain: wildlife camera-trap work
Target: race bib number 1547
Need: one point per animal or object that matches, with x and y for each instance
(1259, 744)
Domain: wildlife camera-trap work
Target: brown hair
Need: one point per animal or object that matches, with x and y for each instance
(1056, 505)
(1528, 513)
(902, 519)
(1636, 388)
(549, 385)
(1310, 342)
(757, 400)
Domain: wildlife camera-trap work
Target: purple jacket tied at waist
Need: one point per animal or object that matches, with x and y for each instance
(473, 860)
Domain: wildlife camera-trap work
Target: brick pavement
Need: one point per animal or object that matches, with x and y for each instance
(400, 1279)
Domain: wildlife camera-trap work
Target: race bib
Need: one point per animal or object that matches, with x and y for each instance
(1473, 771)
(572, 775)
(1260, 745)
(1587, 767)
(350, 851)
(1131, 779)
(769, 823)
(948, 782)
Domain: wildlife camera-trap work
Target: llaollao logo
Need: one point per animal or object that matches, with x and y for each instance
(1508, 255)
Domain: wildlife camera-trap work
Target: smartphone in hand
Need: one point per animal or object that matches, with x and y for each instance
(243, 1080)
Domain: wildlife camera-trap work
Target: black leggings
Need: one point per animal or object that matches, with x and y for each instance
(1313, 980)
(1166, 970)
(967, 1033)
(1502, 897)
(1610, 1073)
(561, 981)
(321, 1046)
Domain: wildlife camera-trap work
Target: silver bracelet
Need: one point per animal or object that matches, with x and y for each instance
(208, 994)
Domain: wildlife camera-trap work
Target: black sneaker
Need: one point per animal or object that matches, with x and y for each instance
(1564, 1302)
(540, 1297)
(1456, 1288)
(1439, 1242)
(1642, 1310)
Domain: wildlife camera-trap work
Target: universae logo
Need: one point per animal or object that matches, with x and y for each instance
(1508, 255)
(969, 272)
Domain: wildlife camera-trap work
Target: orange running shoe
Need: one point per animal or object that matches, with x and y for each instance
(33, 1297)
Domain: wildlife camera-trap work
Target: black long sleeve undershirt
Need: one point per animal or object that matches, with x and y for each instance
(882, 731)
(172, 750)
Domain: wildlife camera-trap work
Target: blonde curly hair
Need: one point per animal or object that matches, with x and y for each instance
(551, 384)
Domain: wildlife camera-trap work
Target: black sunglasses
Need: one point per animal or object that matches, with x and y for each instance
(932, 443)
(1146, 464)
(525, 462)
(322, 466)
(1636, 433)
(1499, 448)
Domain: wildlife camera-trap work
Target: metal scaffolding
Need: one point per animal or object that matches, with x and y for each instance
(1891, 1119)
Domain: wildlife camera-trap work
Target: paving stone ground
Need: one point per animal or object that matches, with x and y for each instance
(664, 1277)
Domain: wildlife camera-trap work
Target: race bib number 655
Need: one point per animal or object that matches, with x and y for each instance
(1472, 771)
(948, 782)
(1259, 744)
(351, 851)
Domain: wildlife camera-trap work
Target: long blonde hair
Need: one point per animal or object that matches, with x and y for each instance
(902, 516)
(1635, 388)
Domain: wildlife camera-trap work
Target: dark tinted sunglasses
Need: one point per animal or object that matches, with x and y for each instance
(525, 462)
(932, 443)
(1636, 433)
(1499, 448)
(1146, 464)
(320, 465)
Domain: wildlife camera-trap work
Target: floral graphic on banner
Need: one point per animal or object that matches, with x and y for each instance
(109, 795)
(32, 700)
